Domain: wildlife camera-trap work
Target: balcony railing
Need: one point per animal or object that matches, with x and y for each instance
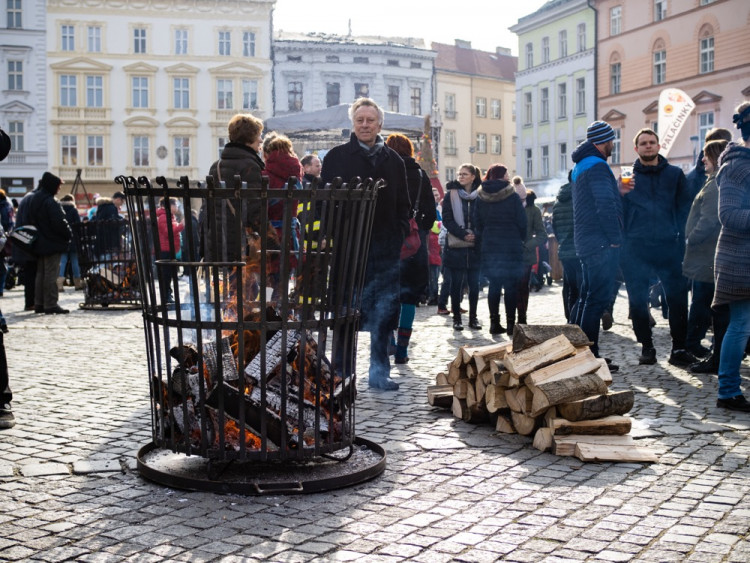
(451, 114)
(451, 151)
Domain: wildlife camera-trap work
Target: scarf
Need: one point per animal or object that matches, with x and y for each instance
(458, 209)
(373, 151)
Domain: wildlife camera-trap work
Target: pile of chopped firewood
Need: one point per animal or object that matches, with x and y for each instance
(546, 383)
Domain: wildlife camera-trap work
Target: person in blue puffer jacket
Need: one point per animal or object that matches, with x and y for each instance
(597, 227)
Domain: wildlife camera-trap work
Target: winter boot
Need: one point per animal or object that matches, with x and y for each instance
(495, 326)
(402, 346)
(61, 284)
(78, 283)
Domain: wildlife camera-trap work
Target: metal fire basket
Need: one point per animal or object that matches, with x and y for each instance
(251, 348)
(108, 265)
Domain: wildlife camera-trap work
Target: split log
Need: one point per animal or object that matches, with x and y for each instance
(483, 355)
(538, 356)
(525, 397)
(512, 400)
(474, 414)
(441, 379)
(487, 377)
(526, 336)
(524, 424)
(599, 406)
(564, 390)
(471, 395)
(440, 396)
(494, 398)
(566, 445)
(582, 362)
(614, 425)
(603, 372)
(543, 439)
(275, 353)
(549, 416)
(471, 370)
(461, 388)
(479, 387)
(600, 452)
(504, 425)
(455, 373)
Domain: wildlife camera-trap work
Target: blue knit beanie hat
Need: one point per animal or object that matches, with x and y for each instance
(599, 132)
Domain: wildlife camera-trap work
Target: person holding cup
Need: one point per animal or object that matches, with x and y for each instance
(655, 213)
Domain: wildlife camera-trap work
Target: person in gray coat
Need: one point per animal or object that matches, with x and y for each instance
(702, 231)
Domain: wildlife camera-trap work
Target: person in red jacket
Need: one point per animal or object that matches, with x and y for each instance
(168, 250)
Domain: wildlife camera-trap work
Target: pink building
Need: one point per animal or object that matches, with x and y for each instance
(699, 46)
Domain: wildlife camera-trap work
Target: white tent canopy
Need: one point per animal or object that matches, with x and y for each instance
(336, 118)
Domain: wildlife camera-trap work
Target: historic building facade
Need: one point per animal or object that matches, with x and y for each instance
(701, 47)
(146, 87)
(23, 107)
(475, 94)
(313, 71)
(555, 90)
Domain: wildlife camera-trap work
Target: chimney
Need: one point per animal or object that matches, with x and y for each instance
(463, 44)
(502, 51)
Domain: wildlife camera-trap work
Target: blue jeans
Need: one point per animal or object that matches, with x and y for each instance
(73, 257)
(598, 279)
(733, 349)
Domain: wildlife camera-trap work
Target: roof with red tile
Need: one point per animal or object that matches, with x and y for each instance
(452, 58)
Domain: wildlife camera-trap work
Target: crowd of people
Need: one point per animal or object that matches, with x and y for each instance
(691, 234)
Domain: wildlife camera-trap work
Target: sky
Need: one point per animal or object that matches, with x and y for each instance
(483, 22)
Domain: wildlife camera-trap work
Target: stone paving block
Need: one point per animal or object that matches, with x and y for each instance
(6, 470)
(43, 469)
(96, 466)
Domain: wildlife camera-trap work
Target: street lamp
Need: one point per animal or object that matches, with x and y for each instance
(437, 124)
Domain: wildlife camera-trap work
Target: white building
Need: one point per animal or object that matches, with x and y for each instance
(555, 90)
(140, 87)
(315, 71)
(23, 107)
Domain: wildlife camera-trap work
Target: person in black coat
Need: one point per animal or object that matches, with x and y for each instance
(366, 156)
(462, 262)
(500, 222)
(54, 236)
(71, 255)
(414, 269)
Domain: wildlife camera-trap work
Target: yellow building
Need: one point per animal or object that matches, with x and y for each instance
(475, 91)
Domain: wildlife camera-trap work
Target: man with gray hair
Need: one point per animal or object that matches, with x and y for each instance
(367, 156)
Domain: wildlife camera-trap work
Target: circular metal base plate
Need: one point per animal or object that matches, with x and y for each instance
(109, 306)
(258, 478)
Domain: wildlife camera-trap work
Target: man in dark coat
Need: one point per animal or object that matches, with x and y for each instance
(54, 235)
(597, 226)
(7, 420)
(562, 226)
(367, 156)
(655, 211)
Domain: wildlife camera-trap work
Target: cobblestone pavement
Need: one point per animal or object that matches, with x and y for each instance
(451, 491)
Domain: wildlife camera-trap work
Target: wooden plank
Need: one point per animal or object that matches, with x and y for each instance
(526, 336)
(601, 452)
(616, 425)
(566, 445)
(620, 402)
(440, 396)
(538, 356)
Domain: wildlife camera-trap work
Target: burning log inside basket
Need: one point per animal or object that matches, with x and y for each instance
(297, 387)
